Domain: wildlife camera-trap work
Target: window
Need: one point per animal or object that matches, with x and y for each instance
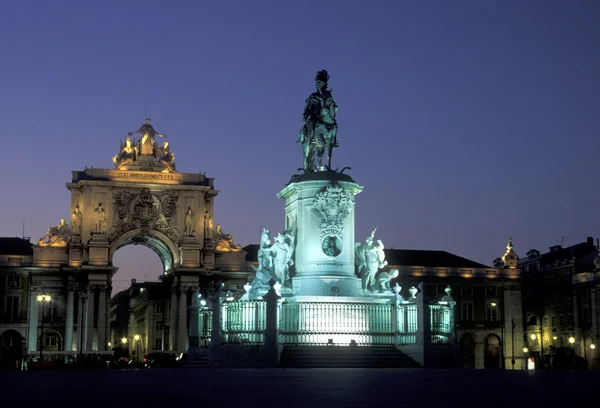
(553, 322)
(545, 321)
(492, 313)
(158, 345)
(13, 282)
(467, 311)
(584, 295)
(467, 290)
(51, 312)
(49, 341)
(570, 319)
(492, 291)
(568, 298)
(561, 320)
(159, 325)
(11, 308)
(158, 308)
(441, 290)
(585, 314)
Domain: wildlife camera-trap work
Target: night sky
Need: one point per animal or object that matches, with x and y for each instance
(466, 121)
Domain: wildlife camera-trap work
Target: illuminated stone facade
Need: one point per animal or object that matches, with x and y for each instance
(142, 201)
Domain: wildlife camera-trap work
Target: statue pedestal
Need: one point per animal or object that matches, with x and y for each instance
(321, 206)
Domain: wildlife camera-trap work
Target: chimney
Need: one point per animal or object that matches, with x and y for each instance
(590, 240)
(133, 281)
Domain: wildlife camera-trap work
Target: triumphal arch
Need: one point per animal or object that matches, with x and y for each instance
(142, 200)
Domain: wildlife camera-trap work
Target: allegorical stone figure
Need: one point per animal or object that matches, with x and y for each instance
(58, 236)
(127, 154)
(147, 144)
(208, 225)
(76, 220)
(188, 228)
(369, 259)
(166, 158)
(319, 132)
(99, 219)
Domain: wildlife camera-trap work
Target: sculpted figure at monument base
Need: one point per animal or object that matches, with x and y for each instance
(369, 259)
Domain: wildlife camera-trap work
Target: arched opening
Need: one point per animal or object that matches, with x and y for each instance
(11, 349)
(467, 349)
(143, 258)
(159, 243)
(135, 262)
(52, 341)
(493, 352)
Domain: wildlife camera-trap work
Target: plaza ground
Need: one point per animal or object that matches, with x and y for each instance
(290, 388)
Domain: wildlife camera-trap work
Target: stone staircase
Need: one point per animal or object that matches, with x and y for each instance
(344, 357)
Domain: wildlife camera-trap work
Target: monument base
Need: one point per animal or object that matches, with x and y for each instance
(326, 285)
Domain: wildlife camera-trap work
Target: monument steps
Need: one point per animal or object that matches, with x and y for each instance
(344, 357)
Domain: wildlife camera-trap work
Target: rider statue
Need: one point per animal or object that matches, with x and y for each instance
(319, 133)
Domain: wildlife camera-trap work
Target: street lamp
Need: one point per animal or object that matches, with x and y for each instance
(533, 337)
(525, 350)
(571, 340)
(592, 346)
(43, 299)
(124, 340)
(137, 347)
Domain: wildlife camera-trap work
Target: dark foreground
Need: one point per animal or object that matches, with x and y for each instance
(305, 388)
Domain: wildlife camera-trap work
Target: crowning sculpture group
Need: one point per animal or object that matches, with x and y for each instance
(318, 137)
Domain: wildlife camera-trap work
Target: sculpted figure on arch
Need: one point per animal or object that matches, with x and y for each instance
(57, 236)
(147, 144)
(319, 133)
(99, 220)
(127, 154)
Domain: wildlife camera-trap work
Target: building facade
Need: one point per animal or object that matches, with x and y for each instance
(561, 305)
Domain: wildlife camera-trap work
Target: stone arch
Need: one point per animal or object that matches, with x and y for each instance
(158, 242)
(492, 353)
(467, 349)
(11, 348)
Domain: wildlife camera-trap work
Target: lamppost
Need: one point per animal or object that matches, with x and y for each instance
(137, 347)
(43, 299)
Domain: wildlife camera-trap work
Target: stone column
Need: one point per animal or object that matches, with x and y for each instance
(69, 322)
(182, 322)
(216, 334)
(81, 319)
(101, 330)
(271, 346)
(32, 323)
(173, 320)
(89, 321)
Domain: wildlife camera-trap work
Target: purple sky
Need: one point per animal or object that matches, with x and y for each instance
(466, 121)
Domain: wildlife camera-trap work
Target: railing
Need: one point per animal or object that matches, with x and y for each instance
(320, 323)
(345, 323)
(440, 320)
(244, 322)
(406, 323)
(206, 328)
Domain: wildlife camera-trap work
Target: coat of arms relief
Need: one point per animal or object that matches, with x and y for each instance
(332, 204)
(145, 210)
